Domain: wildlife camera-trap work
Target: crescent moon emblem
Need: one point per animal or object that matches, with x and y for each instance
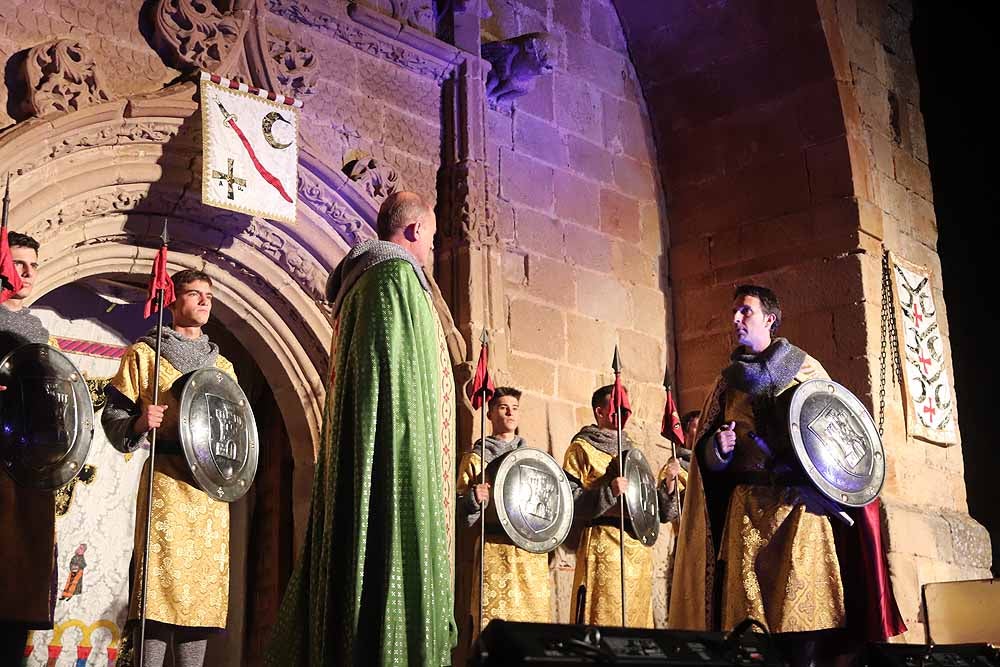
(268, 124)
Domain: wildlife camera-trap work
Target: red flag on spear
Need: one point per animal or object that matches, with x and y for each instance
(159, 279)
(10, 279)
(671, 428)
(482, 380)
(619, 395)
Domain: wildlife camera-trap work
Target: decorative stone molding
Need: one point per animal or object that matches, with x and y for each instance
(377, 35)
(287, 254)
(516, 64)
(470, 219)
(62, 76)
(318, 196)
(128, 132)
(198, 35)
(295, 66)
(364, 169)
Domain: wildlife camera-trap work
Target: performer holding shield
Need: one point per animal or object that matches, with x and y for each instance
(516, 580)
(188, 581)
(756, 539)
(27, 515)
(592, 467)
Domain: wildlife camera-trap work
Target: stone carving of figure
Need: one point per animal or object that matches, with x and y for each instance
(516, 63)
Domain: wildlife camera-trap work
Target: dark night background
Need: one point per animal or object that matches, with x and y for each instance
(955, 52)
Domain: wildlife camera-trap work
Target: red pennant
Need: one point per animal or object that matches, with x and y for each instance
(159, 279)
(619, 399)
(671, 428)
(482, 381)
(10, 279)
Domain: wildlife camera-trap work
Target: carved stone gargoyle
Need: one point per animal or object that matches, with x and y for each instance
(516, 64)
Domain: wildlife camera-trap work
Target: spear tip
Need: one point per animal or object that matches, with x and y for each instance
(616, 363)
(484, 338)
(163, 235)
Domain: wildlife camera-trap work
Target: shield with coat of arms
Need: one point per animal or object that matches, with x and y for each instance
(835, 440)
(46, 417)
(218, 434)
(532, 499)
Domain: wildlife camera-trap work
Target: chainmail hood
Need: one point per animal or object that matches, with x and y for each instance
(362, 257)
(185, 354)
(767, 373)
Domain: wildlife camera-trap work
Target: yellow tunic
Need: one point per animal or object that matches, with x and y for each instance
(781, 559)
(188, 581)
(598, 557)
(516, 582)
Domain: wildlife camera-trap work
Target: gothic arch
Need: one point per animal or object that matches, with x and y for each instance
(94, 185)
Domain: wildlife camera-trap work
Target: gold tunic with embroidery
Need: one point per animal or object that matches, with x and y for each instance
(781, 560)
(781, 564)
(516, 582)
(598, 557)
(188, 582)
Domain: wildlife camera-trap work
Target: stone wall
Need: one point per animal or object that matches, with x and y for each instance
(579, 203)
(931, 536)
(792, 148)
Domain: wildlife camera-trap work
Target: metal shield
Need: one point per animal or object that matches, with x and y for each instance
(531, 499)
(218, 434)
(642, 513)
(835, 440)
(46, 417)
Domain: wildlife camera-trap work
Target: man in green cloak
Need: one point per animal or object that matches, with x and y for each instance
(372, 584)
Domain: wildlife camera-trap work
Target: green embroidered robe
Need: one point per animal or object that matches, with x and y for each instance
(372, 584)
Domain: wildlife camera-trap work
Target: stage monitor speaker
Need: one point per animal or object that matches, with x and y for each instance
(511, 644)
(932, 655)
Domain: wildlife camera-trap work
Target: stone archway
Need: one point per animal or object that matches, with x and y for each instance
(94, 185)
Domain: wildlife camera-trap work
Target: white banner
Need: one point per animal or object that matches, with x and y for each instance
(923, 351)
(250, 150)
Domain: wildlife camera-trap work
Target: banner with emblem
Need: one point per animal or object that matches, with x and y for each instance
(249, 149)
(923, 353)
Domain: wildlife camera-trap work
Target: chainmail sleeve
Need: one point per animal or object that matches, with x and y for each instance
(118, 420)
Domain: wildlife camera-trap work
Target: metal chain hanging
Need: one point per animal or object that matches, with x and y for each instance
(890, 337)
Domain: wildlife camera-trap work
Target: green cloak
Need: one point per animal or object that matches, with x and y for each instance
(372, 583)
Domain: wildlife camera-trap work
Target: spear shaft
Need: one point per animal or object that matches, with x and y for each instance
(152, 462)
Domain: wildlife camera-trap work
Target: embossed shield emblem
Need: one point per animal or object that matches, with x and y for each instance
(642, 515)
(218, 434)
(532, 499)
(835, 440)
(229, 439)
(46, 417)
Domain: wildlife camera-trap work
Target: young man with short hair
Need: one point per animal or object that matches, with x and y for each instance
(516, 581)
(188, 582)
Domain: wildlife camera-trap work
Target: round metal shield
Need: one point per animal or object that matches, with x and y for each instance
(218, 434)
(641, 503)
(531, 499)
(46, 417)
(835, 440)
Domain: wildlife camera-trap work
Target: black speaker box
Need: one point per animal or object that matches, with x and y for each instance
(924, 655)
(511, 644)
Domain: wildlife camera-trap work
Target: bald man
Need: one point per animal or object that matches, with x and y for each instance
(373, 583)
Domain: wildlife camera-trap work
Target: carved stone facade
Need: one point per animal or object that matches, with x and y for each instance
(62, 76)
(550, 193)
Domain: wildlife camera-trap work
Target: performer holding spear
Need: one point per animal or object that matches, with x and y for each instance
(181, 591)
(513, 581)
(614, 569)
